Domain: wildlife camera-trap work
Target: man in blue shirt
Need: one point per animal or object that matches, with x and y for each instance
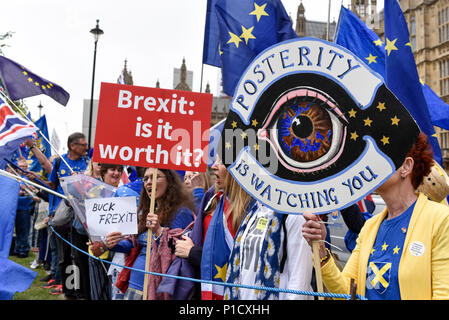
(76, 158)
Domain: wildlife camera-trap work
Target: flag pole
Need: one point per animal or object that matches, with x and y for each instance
(317, 265)
(39, 130)
(10, 175)
(150, 236)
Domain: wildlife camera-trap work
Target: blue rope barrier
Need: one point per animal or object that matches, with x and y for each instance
(299, 292)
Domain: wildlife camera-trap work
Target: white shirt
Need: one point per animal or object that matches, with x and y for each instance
(297, 273)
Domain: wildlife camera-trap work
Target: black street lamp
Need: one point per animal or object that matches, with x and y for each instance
(97, 32)
(40, 106)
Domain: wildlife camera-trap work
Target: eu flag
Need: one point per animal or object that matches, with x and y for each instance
(402, 77)
(210, 46)
(216, 250)
(21, 83)
(41, 143)
(393, 60)
(13, 277)
(247, 27)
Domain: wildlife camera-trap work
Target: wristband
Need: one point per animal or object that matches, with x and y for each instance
(328, 255)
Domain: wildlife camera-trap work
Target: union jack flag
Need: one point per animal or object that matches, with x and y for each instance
(13, 131)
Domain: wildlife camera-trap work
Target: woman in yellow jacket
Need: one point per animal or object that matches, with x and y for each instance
(401, 253)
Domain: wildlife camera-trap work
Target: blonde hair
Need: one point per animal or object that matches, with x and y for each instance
(239, 200)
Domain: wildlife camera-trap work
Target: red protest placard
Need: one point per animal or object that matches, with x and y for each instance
(152, 127)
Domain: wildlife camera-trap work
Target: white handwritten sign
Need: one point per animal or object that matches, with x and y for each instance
(104, 215)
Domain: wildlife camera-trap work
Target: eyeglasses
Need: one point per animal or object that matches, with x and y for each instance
(81, 144)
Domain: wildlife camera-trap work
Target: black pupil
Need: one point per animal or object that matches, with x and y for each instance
(302, 126)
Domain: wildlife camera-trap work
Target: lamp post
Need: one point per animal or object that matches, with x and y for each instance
(40, 106)
(97, 32)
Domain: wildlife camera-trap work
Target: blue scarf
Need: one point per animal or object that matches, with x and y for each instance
(269, 259)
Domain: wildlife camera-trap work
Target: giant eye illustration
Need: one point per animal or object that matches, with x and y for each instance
(306, 128)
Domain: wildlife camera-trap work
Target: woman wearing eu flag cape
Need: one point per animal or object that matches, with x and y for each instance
(401, 253)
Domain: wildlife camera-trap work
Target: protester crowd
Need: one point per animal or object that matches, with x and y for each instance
(260, 248)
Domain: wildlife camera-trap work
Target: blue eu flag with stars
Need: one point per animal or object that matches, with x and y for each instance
(393, 60)
(21, 83)
(247, 27)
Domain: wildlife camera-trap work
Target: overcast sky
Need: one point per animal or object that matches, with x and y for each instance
(52, 39)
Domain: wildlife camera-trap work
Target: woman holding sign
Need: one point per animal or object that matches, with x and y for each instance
(401, 253)
(100, 288)
(174, 210)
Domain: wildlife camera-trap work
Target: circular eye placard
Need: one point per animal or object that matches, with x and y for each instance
(312, 128)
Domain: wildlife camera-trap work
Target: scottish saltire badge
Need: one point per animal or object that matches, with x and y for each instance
(312, 128)
(378, 276)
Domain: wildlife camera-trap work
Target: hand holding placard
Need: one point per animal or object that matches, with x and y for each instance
(104, 215)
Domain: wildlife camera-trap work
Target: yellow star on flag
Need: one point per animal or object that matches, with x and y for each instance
(259, 11)
(368, 122)
(395, 121)
(235, 39)
(221, 272)
(372, 251)
(254, 123)
(396, 250)
(385, 140)
(378, 42)
(219, 49)
(390, 46)
(352, 113)
(371, 59)
(384, 246)
(30, 80)
(247, 34)
(381, 106)
(36, 83)
(234, 124)
(409, 44)
(354, 135)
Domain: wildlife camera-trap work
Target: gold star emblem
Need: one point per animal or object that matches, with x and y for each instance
(381, 106)
(25, 73)
(371, 59)
(378, 42)
(254, 123)
(243, 135)
(43, 87)
(227, 145)
(256, 147)
(36, 83)
(385, 140)
(409, 44)
(384, 246)
(390, 46)
(221, 272)
(247, 34)
(234, 124)
(259, 11)
(396, 250)
(395, 121)
(30, 80)
(235, 39)
(352, 113)
(354, 135)
(368, 122)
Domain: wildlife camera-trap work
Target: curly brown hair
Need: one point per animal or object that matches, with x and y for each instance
(175, 197)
